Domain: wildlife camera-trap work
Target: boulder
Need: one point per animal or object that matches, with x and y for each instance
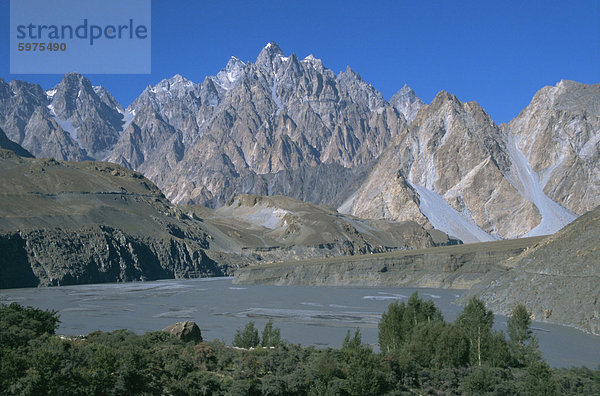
(185, 331)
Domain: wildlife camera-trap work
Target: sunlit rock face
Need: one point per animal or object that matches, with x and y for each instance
(456, 169)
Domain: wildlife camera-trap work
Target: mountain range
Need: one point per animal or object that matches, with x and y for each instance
(287, 126)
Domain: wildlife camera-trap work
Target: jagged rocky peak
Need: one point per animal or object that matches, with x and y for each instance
(406, 102)
(18, 101)
(289, 117)
(445, 97)
(64, 96)
(230, 75)
(270, 56)
(506, 182)
(359, 90)
(166, 90)
(177, 84)
(349, 74)
(93, 122)
(575, 96)
(310, 59)
(5, 90)
(174, 99)
(558, 133)
(107, 98)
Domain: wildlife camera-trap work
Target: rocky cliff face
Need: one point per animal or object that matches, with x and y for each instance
(66, 223)
(449, 161)
(559, 135)
(72, 121)
(407, 103)
(257, 128)
(455, 168)
(455, 267)
(556, 279)
(98, 254)
(93, 122)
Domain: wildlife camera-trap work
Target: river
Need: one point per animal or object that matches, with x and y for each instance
(318, 316)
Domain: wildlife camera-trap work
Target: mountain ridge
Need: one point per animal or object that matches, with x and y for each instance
(287, 126)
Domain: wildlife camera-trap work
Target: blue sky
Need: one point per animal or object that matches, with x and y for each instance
(498, 53)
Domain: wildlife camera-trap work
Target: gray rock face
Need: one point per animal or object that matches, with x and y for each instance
(453, 267)
(186, 331)
(407, 103)
(91, 122)
(72, 121)
(449, 161)
(455, 168)
(18, 101)
(257, 128)
(559, 135)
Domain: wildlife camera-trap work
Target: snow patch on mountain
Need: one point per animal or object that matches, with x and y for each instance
(228, 77)
(527, 182)
(267, 217)
(447, 219)
(274, 96)
(128, 117)
(66, 125)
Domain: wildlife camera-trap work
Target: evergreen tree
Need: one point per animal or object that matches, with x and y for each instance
(476, 321)
(523, 344)
(248, 338)
(352, 343)
(21, 324)
(539, 380)
(271, 337)
(498, 352)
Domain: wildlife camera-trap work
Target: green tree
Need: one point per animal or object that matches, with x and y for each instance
(523, 344)
(247, 338)
(421, 311)
(271, 337)
(498, 352)
(19, 325)
(397, 323)
(391, 328)
(451, 347)
(352, 344)
(477, 321)
(364, 375)
(539, 380)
